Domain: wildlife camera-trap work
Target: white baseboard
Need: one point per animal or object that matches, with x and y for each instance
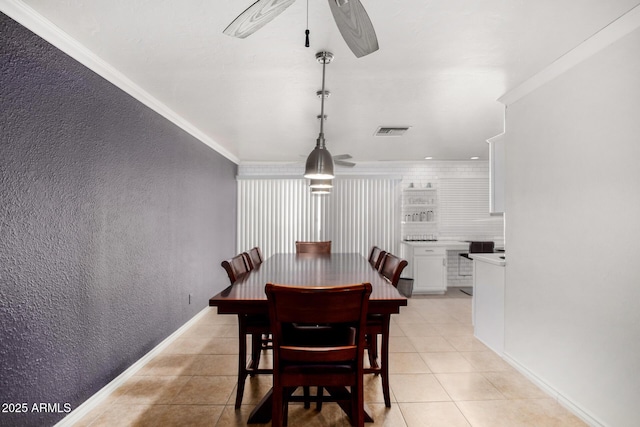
(95, 400)
(555, 394)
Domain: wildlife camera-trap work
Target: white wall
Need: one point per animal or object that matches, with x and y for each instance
(573, 227)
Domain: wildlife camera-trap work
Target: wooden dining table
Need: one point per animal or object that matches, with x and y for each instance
(246, 296)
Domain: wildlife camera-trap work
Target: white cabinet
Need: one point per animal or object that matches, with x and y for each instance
(497, 173)
(428, 269)
(488, 300)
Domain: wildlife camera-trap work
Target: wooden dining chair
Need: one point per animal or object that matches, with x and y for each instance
(255, 326)
(313, 247)
(235, 267)
(378, 324)
(254, 257)
(247, 260)
(391, 268)
(329, 356)
(375, 256)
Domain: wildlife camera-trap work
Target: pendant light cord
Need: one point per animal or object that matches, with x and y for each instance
(306, 32)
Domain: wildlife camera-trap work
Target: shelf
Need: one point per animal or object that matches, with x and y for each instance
(416, 201)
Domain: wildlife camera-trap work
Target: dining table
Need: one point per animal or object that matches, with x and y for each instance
(246, 296)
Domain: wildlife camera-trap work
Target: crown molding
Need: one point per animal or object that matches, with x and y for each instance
(44, 28)
(603, 38)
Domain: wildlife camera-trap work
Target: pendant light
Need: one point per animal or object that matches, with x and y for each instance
(320, 183)
(320, 191)
(320, 163)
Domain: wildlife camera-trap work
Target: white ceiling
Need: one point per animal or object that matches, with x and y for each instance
(441, 66)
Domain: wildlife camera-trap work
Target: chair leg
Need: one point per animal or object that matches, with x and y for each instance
(285, 409)
(358, 404)
(372, 350)
(277, 407)
(307, 397)
(285, 405)
(242, 361)
(319, 399)
(256, 346)
(266, 340)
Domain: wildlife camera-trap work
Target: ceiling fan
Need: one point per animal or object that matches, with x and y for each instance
(339, 159)
(351, 18)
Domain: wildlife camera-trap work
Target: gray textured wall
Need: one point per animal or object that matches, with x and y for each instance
(109, 217)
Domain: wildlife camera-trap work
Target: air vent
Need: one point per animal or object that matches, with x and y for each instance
(391, 131)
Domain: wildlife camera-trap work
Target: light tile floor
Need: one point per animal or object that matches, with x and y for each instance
(440, 376)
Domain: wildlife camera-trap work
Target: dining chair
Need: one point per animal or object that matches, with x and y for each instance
(235, 267)
(391, 268)
(254, 257)
(329, 356)
(375, 256)
(254, 325)
(313, 247)
(247, 260)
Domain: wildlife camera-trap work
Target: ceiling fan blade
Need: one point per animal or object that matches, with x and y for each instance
(255, 17)
(342, 157)
(355, 26)
(343, 163)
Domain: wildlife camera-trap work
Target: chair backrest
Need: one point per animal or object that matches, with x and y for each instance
(255, 257)
(313, 247)
(247, 261)
(391, 268)
(373, 255)
(381, 261)
(235, 267)
(376, 256)
(295, 311)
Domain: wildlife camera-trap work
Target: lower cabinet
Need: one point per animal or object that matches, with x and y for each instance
(428, 267)
(488, 304)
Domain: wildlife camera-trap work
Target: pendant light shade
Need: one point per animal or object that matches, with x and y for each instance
(320, 191)
(321, 183)
(319, 164)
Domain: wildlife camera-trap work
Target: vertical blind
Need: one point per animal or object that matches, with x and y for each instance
(359, 213)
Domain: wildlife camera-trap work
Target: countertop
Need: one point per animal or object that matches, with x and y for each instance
(491, 258)
(449, 244)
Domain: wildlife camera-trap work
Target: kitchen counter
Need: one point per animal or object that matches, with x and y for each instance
(497, 258)
(447, 244)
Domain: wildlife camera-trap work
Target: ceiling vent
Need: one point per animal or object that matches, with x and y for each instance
(391, 131)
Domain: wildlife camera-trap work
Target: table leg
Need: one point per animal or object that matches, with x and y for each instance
(261, 414)
(384, 359)
(242, 360)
